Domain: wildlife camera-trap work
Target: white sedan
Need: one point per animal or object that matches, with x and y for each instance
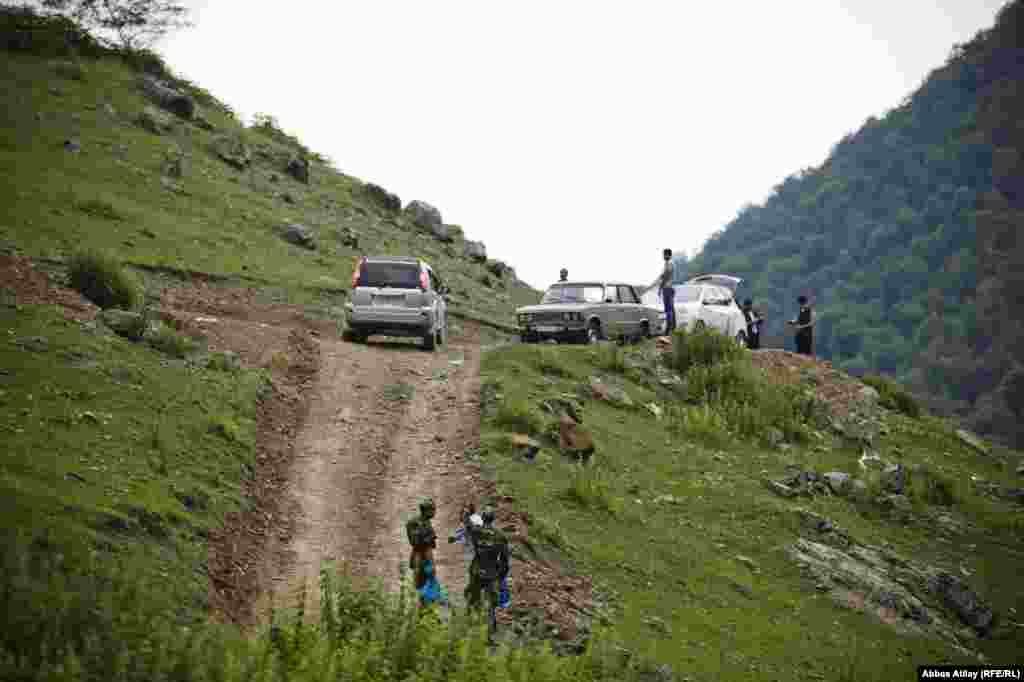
(705, 301)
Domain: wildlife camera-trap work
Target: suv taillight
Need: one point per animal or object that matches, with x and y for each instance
(355, 273)
(424, 280)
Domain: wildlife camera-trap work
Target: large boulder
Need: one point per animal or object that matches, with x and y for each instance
(168, 98)
(382, 197)
(475, 250)
(423, 214)
(442, 233)
(298, 168)
(299, 235)
(233, 151)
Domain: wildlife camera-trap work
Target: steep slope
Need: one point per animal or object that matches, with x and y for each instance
(886, 235)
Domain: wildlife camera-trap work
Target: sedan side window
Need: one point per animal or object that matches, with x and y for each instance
(626, 295)
(611, 295)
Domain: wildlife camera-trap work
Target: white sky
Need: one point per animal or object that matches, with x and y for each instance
(586, 134)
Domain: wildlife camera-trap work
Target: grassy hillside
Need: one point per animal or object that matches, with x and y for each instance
(674, 517)
(884, 236)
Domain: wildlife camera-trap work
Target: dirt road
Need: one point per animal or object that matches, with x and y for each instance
(386, 425)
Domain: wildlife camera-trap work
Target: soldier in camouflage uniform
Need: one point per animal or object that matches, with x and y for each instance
(490, 566)
(422, 540)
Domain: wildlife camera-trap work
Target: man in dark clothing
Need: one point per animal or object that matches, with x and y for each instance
(804, 326)
(563, 276)
(754, 321)
(665, 291)
(492, 566)
(422, 540)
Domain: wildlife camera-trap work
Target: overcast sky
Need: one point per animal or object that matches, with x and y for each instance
(584, 134)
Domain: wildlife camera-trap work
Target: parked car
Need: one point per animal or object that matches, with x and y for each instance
(586, 312)
(397, 296)
(710, 301)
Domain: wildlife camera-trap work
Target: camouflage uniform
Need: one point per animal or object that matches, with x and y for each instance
(421, 535)
(490, 564)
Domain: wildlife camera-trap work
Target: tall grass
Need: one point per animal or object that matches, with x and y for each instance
(705, 347)
(72, 618)
(893, 396)
(101, 278)
(590, 486)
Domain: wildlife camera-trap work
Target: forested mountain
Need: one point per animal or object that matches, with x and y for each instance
(905, 238)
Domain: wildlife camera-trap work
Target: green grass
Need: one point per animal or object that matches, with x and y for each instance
(893, 396)
(102, 279)
(103, 446)
(677, 561)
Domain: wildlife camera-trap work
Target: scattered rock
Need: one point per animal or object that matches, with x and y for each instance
(126, 323)
(298, 168)
(497, 268)
(72, 146)
(654, 409)
(870, 460)
(299, 235)
(441, 232)
(288, 198)
(232, 150)
(972, 441)
(475, 250)
(780, 489)
(837, 481)
(958, 597)
(168, 98)
(423, 214)
(35, 344)
(348, 237)
(382, 197)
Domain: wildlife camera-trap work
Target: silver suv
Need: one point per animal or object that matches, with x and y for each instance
(397, 296)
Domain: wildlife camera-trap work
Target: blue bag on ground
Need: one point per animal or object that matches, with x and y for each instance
(432, 591)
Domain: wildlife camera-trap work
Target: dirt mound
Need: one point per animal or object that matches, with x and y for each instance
(840, 391)
(31, 286)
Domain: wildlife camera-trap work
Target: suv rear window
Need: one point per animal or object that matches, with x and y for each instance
(394, 275)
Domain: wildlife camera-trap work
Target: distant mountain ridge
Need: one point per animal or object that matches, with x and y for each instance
(905, 238)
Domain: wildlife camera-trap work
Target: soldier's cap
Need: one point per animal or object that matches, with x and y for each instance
(476, 520)
(427, 503)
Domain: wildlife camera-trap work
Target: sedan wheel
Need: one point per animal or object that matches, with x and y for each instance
(741, 339)
(699, 326)
(594, 333)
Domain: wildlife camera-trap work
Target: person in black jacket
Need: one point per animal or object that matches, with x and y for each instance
(804, 326)
(754, 321)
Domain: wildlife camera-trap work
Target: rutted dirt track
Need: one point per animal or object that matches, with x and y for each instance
(369, 451)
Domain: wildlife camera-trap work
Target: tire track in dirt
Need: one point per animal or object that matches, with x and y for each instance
(363, 461)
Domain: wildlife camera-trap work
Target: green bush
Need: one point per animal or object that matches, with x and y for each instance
(932, 487)
(701, 347)
(893, 396)
(101, 278)
(704, 423)
(519, 416)
(167, 340)
(590, 487)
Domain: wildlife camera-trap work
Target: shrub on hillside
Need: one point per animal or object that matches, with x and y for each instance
(893, 396)
(167, 340)
(590, 487)
(102, 279)
(701, 347)
(517, 415)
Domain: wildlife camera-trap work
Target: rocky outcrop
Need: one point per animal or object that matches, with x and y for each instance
(382, 197)
(423, 214)
(154, 121)
(475, 251)
(299, 235)
(298, 168)
(168, 98)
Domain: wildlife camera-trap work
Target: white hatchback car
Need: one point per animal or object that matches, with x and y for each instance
(705, 301)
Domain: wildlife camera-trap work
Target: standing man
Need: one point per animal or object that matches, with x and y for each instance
(665, 291)
(492, 566)
(754, 321)
(422, 539)
(804, 326)
(563, 276)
